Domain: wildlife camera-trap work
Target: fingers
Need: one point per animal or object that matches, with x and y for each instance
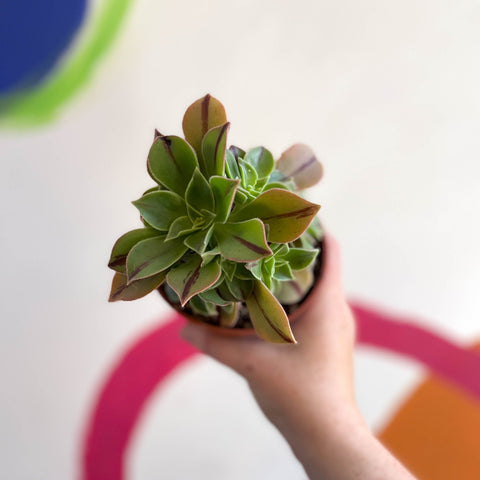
(240, 354)
(328, 298)
(246, 354)
(331, 277)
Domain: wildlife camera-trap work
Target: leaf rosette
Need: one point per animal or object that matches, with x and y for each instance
(225, 234)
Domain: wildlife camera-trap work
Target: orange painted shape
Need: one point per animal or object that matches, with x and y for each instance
(436, 432)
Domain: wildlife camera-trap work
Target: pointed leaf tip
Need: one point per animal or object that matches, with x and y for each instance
(191, 277)
(268, 317)
(121, 290)
(125, 243)
(242, 241)
(153, 256)
(171, 162)
(214, 146)
(286, 214)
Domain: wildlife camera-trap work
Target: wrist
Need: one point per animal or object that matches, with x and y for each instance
(318, 439)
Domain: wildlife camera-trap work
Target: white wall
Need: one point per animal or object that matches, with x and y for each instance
(385, 92)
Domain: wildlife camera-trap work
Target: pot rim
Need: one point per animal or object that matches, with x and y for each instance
(247, 332)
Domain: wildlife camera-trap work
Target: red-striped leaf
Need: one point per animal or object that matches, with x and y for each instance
(214, 145)
(171, 162)
(191, 277)
(291, 292)
(300, 164)
(121, 290)
(268, 317)
(287, 214)
(124, 244)
(242, 241)
(200, 117)
(153, 256)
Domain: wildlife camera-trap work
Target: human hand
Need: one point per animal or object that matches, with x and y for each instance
(306, 390)
(294, 384)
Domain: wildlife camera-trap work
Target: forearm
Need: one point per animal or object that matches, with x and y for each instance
(339, 446)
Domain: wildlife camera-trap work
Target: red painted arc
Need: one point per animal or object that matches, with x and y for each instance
(154, 356)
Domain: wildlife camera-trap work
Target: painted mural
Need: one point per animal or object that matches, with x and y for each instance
(52, 53)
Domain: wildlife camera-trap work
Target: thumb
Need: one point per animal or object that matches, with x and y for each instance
(330, 277)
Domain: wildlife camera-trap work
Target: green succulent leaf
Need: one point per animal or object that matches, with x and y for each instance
(214, 145)
(287, 214)
(180, 226)
(261, 183)
(153, 189)
(199, 194)
(242, 241)
(261, 160)
(228, 268)
(291, 292)
(240, 198)
(268, 267)
(248, 174)
(191, 278)
(200, 117)
(287, 185)
(283, 272)
(209, 255)
(124, 244)
(300, 258)
(256, 269)
(280, 249)
(122, 290)
(202, 307)
(170, 293)
(237, 152)
(267, 315)
(224, 190)
(315, 230)
(171, 162)
(208, 217)
(225, 293)
(242, 272)
(161, 208)
(231, 165)
(198, 241)
(240, 289)
(229, 315)
(213, 296)
(153, 256)
(300, 164)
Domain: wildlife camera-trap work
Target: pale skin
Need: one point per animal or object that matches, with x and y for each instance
(306, 390)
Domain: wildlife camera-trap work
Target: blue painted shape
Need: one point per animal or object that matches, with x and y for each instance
(33, 35)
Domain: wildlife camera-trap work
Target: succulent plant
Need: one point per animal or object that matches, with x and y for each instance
(224, 237)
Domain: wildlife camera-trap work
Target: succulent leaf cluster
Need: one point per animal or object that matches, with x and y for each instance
(225, 235)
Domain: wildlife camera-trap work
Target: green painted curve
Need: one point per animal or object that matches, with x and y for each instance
(42, 104)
